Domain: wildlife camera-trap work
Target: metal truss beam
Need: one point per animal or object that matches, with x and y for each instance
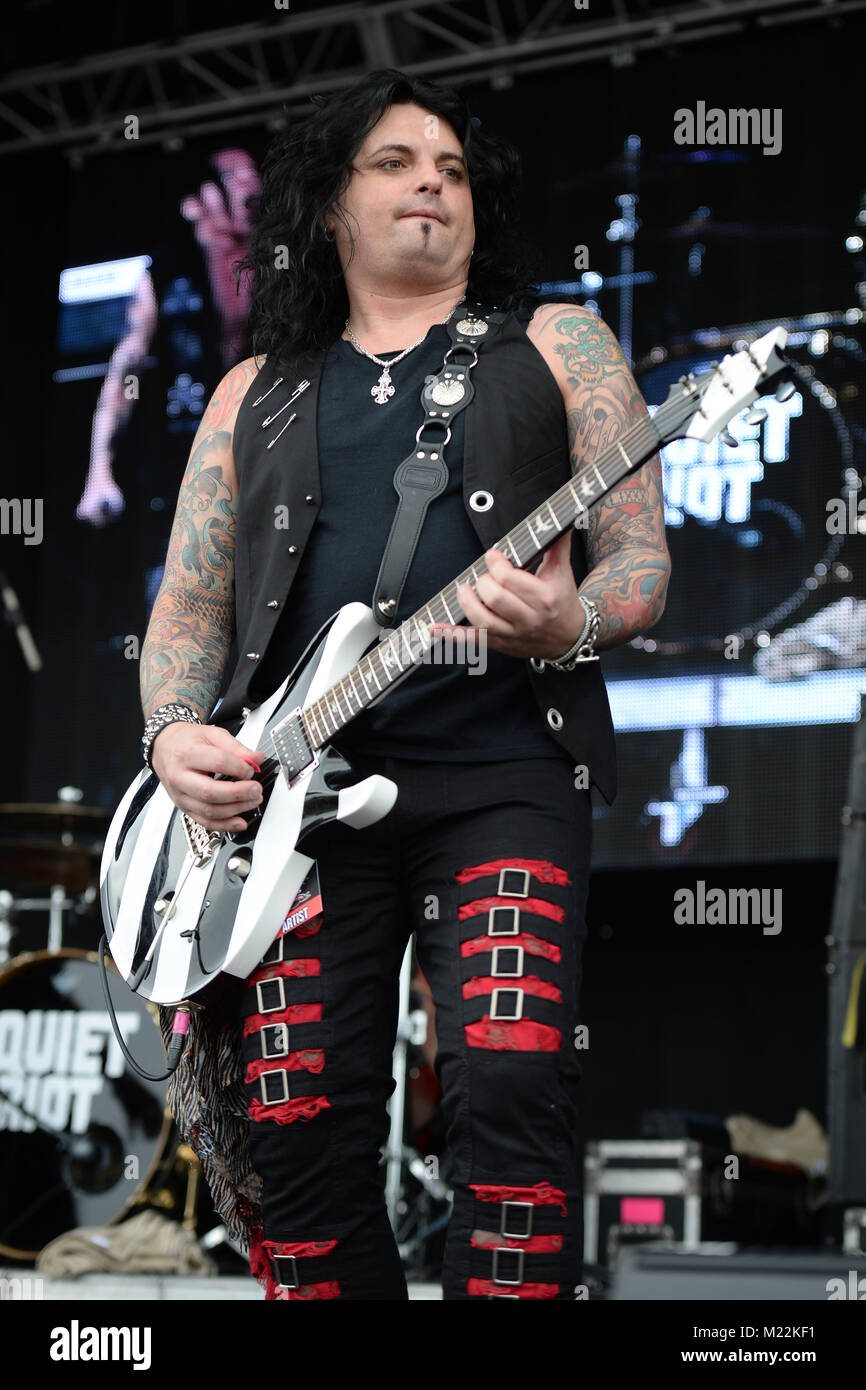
(264, 72)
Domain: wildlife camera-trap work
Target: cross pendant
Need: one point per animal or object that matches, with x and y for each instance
(383, 388)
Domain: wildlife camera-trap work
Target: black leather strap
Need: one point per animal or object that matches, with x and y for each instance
(423, 474)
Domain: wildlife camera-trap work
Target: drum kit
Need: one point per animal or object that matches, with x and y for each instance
(83, 1140)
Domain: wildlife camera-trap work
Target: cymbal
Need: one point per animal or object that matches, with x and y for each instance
(707, 230)
(649, 168)
(53, 816)
(75, 867)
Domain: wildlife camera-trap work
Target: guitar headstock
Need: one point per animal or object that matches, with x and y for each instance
(705, 403)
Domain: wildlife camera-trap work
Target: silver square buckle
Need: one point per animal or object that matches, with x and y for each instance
(509, 912)
(525, 1220)
(495, 1015)
(515, 1254)
(284, 1087)
(274, 953)
(277, 1045)
(504, 892)
(265, 984)
(291, 1260)
(499, 972)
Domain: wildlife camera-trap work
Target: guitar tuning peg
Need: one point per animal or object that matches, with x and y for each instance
(727, 438)
(785, 390)
(756, 417)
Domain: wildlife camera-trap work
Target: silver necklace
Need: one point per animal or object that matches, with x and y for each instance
(384, 388)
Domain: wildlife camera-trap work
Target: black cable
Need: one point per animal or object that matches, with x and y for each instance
(178, 1040)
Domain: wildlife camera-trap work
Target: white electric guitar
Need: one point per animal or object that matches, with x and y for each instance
(182, 905)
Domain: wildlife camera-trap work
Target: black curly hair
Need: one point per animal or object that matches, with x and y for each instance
(303, 304)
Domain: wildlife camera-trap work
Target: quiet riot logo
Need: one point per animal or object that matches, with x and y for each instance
(54, 1063)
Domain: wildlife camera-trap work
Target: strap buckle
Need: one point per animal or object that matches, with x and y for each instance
(526, 1209)
(274, 953)
(271, 985)
(504, 892)
(512, 912)
(517, 1255)
(495, 1015)
(283, 1083)
(278, 1045)
(291, 1262)
(499, 971)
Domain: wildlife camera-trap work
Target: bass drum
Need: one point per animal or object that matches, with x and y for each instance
(747, 527)
(80, 1134)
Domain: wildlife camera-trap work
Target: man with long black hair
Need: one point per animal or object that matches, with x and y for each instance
(383, 217)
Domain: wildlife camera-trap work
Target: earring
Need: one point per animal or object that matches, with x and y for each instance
(330, 234)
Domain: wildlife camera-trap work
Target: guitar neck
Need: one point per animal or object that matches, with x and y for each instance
(391, 660)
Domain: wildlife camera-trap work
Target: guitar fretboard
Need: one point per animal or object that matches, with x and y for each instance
(406, 646)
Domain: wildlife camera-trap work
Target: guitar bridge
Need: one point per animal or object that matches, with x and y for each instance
(202, 842)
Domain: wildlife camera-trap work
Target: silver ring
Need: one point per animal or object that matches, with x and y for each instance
(554, 719)
(481, 501)
(441, 442)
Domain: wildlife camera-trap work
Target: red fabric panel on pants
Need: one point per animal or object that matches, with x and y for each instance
(263, 1270)
(292, 1013)
(522, 1036)
(533, 945)
(541, 1194)
(294, 969)
(301, 1108)
(539, 906)
(313, 1059)
(533, 1244)
(541, 869)
(481, 1287)
(308, 928)
(530, 984)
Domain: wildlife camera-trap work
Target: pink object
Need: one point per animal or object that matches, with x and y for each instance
(642, 1211)
(181, 1021)
(251, 763)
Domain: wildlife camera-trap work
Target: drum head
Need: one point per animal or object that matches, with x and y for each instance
(747, 526)
(80, 1133)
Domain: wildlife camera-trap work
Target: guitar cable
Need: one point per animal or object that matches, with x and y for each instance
(179, 1030)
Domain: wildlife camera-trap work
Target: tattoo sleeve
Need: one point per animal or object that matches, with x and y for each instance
(192, 623)
(627, 554)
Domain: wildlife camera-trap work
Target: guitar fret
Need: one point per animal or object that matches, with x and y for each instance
(344, 700)
(424, 637)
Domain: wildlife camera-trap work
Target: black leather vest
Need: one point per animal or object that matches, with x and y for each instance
(515, 449)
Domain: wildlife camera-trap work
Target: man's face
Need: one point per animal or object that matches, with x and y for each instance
(389, 188)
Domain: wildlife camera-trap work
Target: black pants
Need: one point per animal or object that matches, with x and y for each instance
(488, 864)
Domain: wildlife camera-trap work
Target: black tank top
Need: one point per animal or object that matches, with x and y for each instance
(444, 711)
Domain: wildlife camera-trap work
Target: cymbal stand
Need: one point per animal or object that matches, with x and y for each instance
(400, 1158)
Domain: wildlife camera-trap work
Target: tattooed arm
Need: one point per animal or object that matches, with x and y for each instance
(190, 631)
(626, 548)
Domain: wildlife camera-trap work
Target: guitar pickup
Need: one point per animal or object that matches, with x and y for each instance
(296, 756)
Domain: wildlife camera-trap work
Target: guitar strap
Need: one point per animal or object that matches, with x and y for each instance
(423, 474)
